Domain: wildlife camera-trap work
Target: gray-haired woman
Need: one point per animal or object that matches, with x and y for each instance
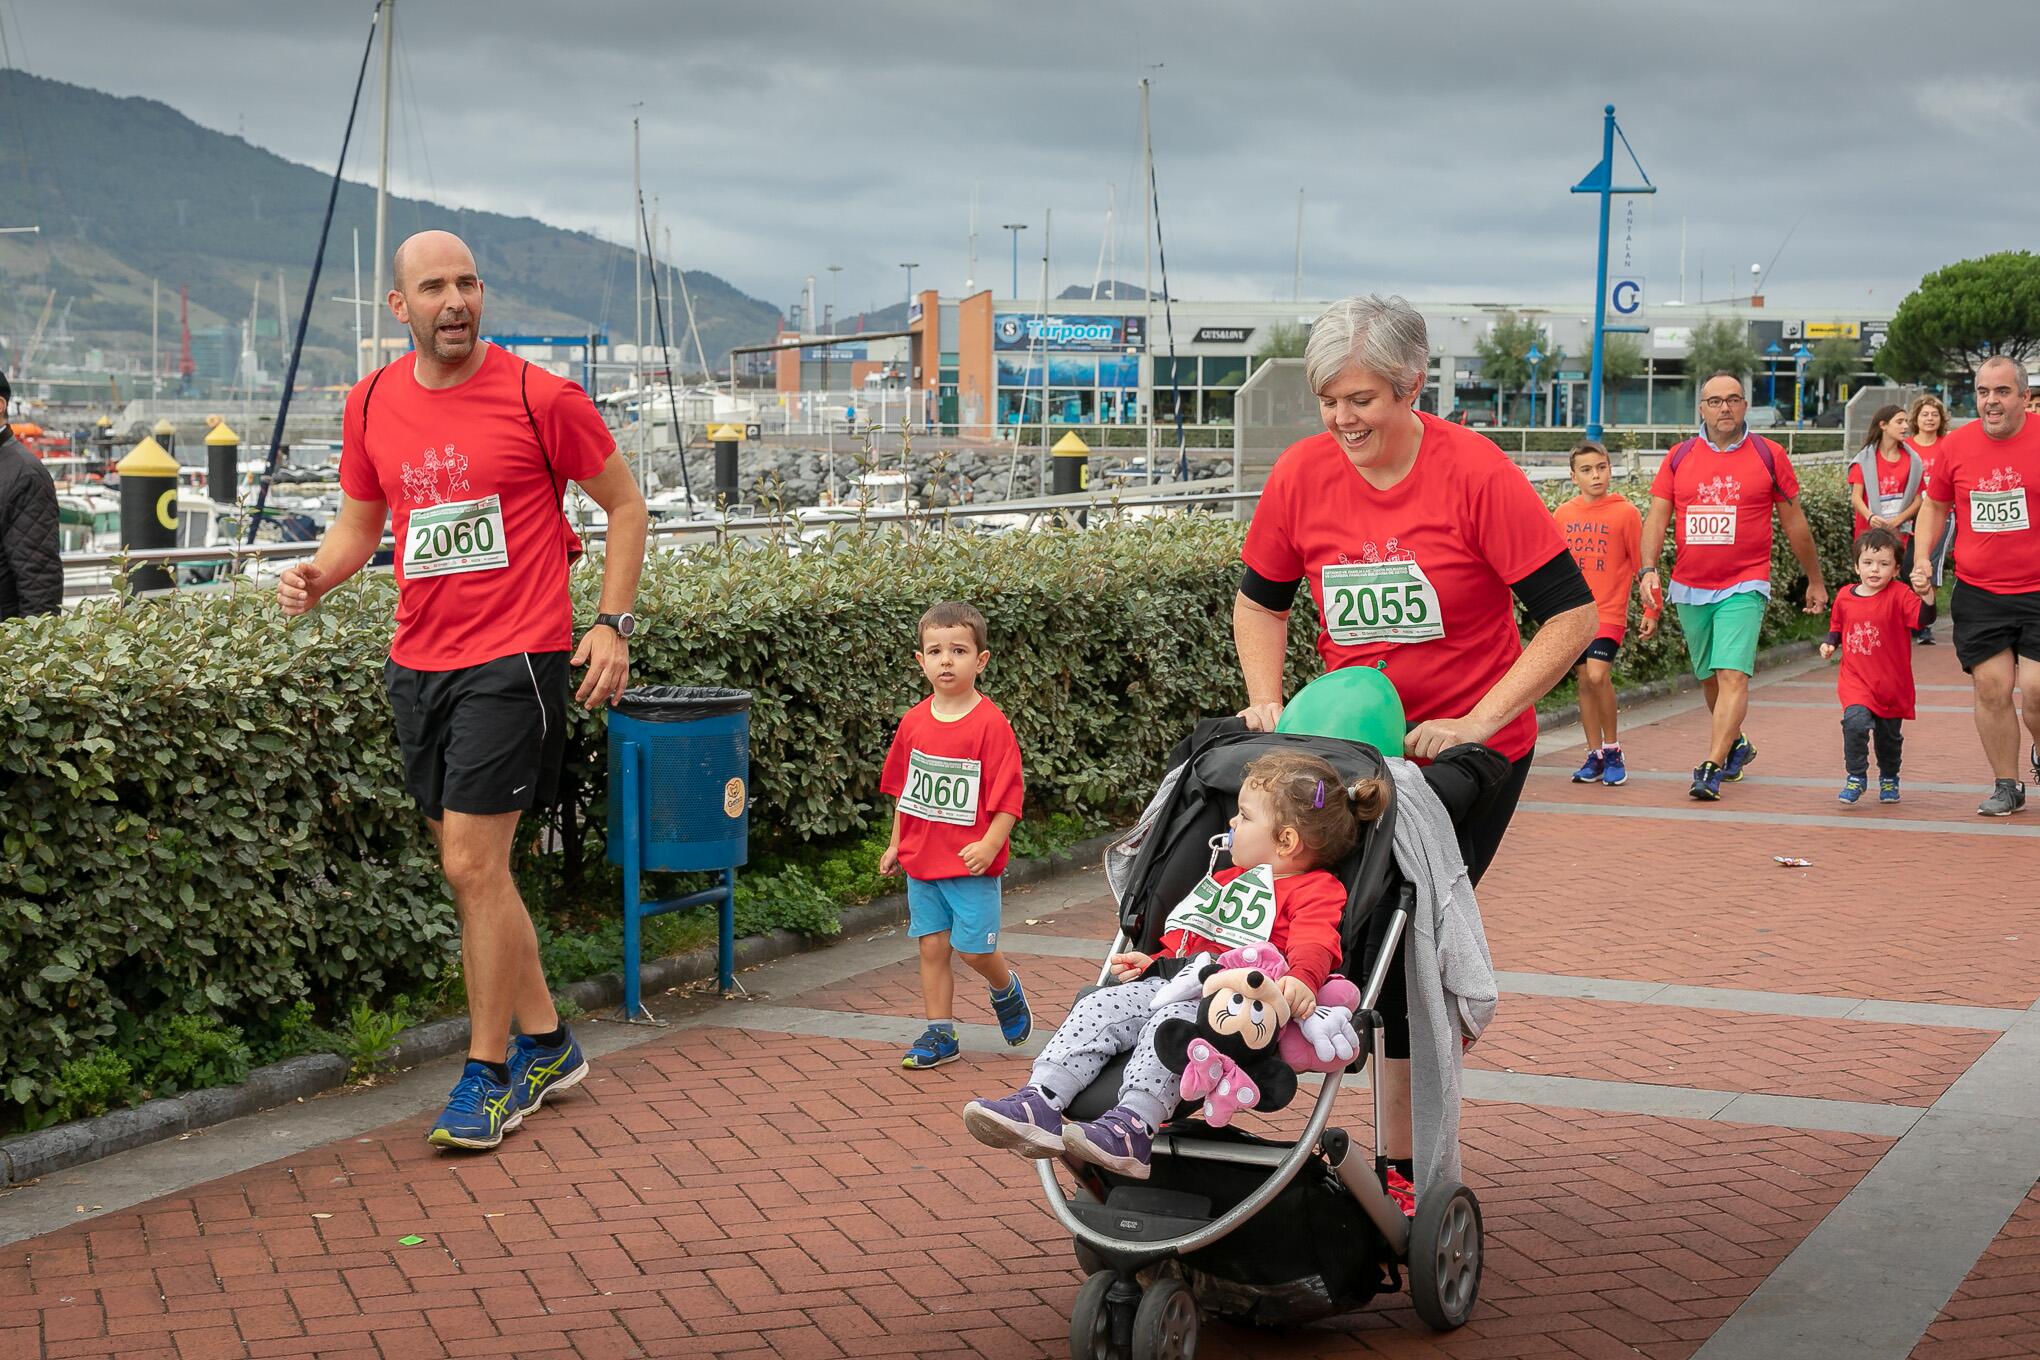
(1416, 538)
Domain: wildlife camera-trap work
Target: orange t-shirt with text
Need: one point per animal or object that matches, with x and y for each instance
(1606, 539)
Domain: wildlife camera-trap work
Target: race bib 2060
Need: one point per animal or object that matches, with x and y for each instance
(1379, 602)
(1999, 512)
(1239, 913)
(942, 789)
(461, 536)
(1710, 525)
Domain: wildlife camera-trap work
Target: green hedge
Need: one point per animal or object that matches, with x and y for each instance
(203, 810)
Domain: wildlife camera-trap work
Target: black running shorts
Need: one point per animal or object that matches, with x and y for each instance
(1600, 649)
(487, 739)
(1987, 623)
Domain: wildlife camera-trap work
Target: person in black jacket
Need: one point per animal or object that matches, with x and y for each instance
(31, 572)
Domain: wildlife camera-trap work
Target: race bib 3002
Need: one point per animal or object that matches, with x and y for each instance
(461, 536)
(1379, 602)
(1710, 525)
(1239, 913)
(1999, 512)
(942, 789)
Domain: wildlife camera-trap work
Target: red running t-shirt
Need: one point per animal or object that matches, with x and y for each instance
(1605, 537)
(1876, 649)
(1930, 456)
(485, 575)
(1994, 485)
(1416, 576)
(1891, 475)
(951, 779)
(1309, 908)
(1721, 511)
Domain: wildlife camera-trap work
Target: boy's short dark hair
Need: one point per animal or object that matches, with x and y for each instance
(952, 614)
(1875, 537)
(1572, 461)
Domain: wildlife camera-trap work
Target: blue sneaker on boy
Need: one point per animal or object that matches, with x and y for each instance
(1613, 771)
(1739, 757)
(1853, 788)
(1887, 789)
(1589, 772)
(935, 1047)
(1015, 1023)
(478, 1113)
(537, 1071)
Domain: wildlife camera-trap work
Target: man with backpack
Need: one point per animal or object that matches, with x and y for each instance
(469, 449)
(1716, 491)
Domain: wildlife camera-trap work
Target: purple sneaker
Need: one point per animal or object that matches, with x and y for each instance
(1117, 1140)
(1023, 1122)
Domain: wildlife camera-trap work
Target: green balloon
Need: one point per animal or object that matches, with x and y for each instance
(1356, 703)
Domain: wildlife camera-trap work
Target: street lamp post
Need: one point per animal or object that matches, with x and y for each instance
(1016, 228)
(1771, 353)
(1799, 358)
(1534, 357)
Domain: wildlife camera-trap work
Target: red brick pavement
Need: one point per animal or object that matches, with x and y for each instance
(1996, 1312)
(715, 1198)
(1722, 1050)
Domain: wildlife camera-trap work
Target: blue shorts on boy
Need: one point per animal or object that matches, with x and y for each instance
(966, 907)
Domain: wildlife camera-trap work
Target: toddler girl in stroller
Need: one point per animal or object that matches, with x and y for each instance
(1296, 818)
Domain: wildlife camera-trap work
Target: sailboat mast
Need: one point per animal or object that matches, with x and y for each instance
(1296, 292)
(388, 19)
(637, 278)
(1147, 245)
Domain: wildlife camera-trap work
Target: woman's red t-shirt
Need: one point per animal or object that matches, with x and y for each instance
(1419, 572)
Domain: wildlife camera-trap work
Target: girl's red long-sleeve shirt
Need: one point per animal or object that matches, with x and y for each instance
(1308, 910)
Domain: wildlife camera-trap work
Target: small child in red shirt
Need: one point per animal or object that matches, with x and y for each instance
(1872, 625)
(1295, 818)
(954, 766)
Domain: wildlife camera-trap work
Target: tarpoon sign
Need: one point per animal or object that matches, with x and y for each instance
(1078, 334)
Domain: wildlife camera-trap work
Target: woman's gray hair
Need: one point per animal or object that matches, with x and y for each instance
(1384, 335)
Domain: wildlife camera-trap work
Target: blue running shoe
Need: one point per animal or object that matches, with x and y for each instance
(934, 1048)
(1011, 1007)
(1706, 782)
(1613, 771)
(1852, 789)
(537, 1072)
(1887, 789)
(478, 1113)
(1589, 772)
(1117, 1140)
(1023, 1122)
(1739, 757)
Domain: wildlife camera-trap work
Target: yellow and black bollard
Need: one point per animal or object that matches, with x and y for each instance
(222, 464)
(724, 440)
(1072, 465)
(148, 510)
(165, 435)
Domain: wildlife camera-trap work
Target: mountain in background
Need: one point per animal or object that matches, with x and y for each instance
(126, 190)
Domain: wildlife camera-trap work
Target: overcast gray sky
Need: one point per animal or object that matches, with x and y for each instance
(1436, 142)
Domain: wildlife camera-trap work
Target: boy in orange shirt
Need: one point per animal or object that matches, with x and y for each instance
(1605, 533)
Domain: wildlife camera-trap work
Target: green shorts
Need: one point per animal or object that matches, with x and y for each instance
(1723, 636)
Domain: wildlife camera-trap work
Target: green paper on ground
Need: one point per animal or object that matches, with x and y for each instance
(409, 1241)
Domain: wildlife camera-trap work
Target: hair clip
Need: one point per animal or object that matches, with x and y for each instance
(1319, 801)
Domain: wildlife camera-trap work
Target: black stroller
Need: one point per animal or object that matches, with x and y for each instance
(1244, 1227)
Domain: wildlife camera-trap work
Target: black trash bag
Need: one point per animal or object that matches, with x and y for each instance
(681, 703)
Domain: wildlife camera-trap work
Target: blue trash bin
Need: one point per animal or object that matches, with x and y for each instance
(679, 800)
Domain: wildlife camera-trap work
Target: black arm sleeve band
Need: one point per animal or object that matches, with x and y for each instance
(1553, 588)
(1927, 613)
(1834, 639)
(1275, 595)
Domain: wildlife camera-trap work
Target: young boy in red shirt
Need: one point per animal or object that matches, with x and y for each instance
(1605, 533)
(1872, 626)
(954, 766)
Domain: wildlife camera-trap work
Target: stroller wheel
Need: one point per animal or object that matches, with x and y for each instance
(1445, 1256)
(1165, 1328)
(1091, 1320)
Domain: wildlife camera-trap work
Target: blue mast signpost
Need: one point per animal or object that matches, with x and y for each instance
(1534, 358)
(1601, 180)
(1771, 353)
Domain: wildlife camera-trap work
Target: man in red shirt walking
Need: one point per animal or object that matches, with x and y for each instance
(470, 450)
(1722, 484)
(1987, 475)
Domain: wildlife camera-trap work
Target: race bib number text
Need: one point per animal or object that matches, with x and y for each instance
(1379, 602)
(942, 789)
(1711, 525)
(1239, 913)
(1999, 512)
(445, 540)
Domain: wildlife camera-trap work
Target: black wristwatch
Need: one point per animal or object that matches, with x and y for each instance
(625, 624)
